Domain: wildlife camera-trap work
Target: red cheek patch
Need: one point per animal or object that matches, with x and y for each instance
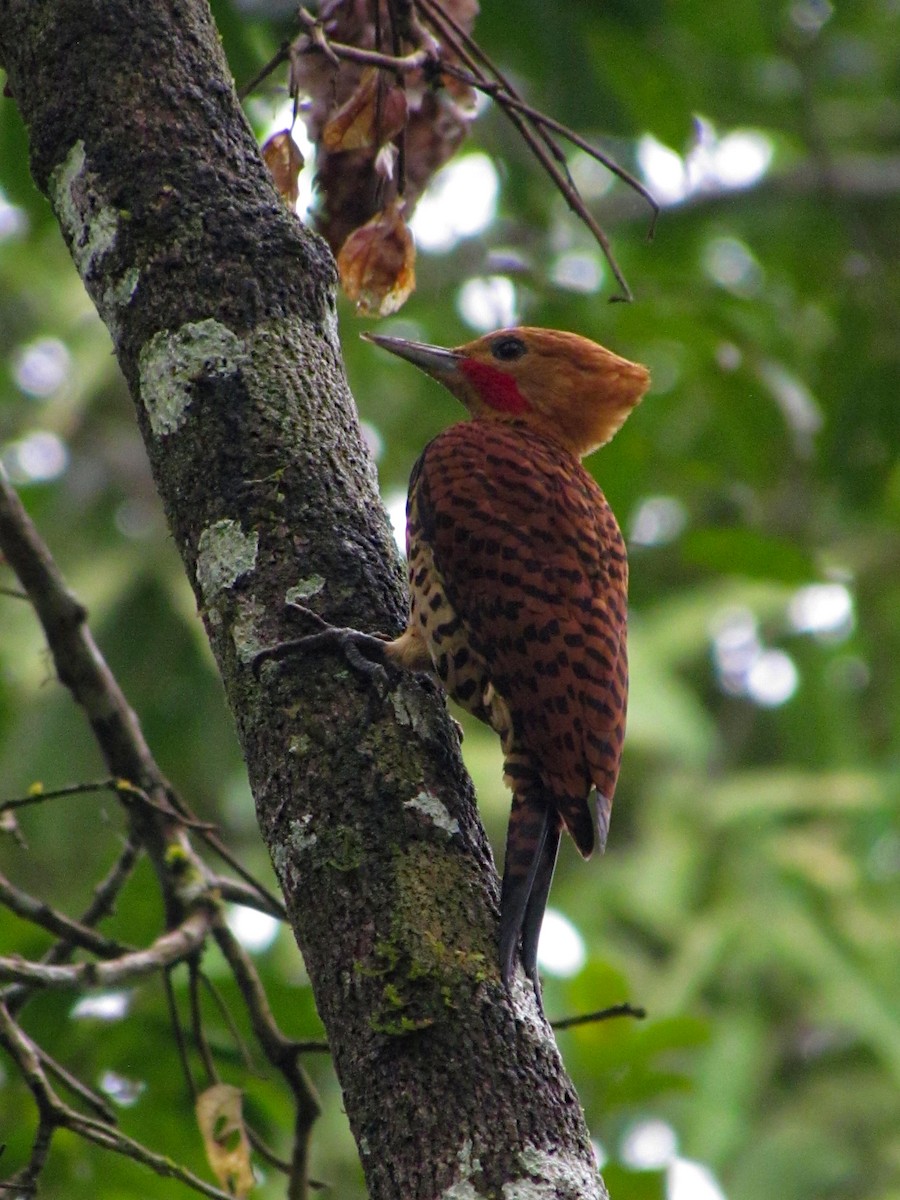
(497, 389)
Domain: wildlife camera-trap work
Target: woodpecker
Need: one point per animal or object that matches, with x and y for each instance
(518, 588)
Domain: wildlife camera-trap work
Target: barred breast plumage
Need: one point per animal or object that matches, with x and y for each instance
(518, 581)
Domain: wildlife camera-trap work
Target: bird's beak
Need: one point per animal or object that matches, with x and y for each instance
(433, 360)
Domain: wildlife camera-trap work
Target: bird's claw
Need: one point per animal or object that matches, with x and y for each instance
(350, 642)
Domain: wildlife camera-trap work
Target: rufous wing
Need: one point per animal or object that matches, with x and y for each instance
(533, 564)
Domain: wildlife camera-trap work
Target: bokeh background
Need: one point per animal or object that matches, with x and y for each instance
(750, 893)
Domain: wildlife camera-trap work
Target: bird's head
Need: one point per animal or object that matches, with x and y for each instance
(560, 384)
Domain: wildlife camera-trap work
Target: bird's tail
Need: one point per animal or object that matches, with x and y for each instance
(532, 843)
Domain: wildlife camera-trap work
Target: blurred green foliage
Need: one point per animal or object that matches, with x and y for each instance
(749, 895)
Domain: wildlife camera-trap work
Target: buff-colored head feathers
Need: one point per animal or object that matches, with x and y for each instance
(560, 384)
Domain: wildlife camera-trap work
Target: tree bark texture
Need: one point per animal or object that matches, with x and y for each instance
(222, 311)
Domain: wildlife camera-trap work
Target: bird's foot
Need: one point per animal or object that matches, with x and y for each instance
(364, 652)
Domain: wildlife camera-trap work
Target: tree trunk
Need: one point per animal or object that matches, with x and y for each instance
(222, 311)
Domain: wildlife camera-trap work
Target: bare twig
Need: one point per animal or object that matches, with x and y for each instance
(88, 1095)
(505, 93)
(465, 46)
(225, 1012)
(38, 794)
(83, 670)
(254, 894)
(114, 1139)
(335, 51)
(105, 893)
(101, 906)
(404, 25)
(250, 895)
(172, 947)
(202, 1045)
(40, 913)
(280, 56)
(541, 119)
(25, 1055)
(54, 1114)
(602, 1014)
(533, 127)
(267, 1154)
(316, 36)
(178, 1034)
(120, 787)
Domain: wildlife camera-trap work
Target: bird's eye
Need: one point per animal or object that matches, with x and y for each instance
(508, 349)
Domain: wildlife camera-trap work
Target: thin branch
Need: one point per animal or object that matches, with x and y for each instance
(100, 906)
(602, 1014)
(83, 670)
(545, 150)
(504, 92)
(120, 787)
(114, 1139)
(40, 913)
(542, 119)
(280, 56)
(37, 794)
(404, 24)
(106, 891)
(279, 1050)
(178, 1034)
(265, 1152)
(88, 1095)
(315, 35)
(261, 898)
(268, 1155)
(319, 40)
(202, 1045)
(25, 1055)
(225, 1013)
(172, 947)
(54, 1114)
(461, 40)
(250, 895)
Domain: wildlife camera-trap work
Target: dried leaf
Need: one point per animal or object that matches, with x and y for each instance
(225, 1138)
(377, 263)
(351, 183)
(367, 120)
(284, 159)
